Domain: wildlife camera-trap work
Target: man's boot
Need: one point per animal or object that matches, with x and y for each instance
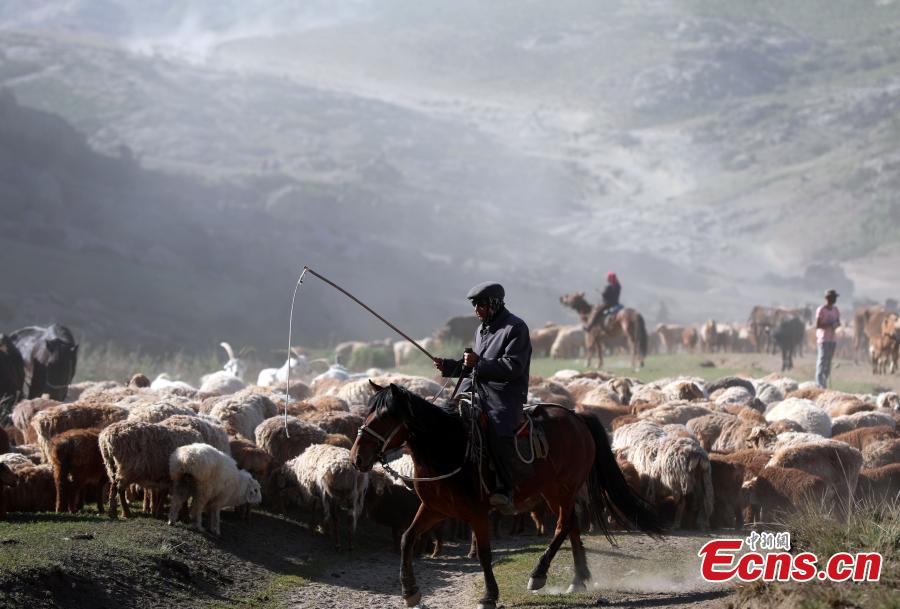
(504, 451)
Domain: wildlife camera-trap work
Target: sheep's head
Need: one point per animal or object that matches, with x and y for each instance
(236, 367)
(760, 437)
(252, 491)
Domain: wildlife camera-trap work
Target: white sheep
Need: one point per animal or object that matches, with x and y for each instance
(164, 381)
(806, 413)
(211, 478)
(671, 465)
(324, 480)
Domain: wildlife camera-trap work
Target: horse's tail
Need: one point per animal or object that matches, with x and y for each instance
(607, 488)
(641, 337)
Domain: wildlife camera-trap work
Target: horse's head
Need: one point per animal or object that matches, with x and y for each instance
(384, 428)
(572, 300)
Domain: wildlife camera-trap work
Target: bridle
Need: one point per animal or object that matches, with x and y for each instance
(380, 456)
(365, 429)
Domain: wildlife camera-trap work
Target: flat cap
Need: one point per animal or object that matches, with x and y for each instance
(487, 289)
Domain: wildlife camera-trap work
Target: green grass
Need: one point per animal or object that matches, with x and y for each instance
(870, 527)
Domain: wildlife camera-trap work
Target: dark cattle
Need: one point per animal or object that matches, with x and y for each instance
(460, 329)
(49, 355)
(788, 335)
(12, 378)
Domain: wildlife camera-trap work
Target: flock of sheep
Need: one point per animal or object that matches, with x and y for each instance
(704, 454)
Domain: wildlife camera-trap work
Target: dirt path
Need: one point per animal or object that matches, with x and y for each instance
(447, 582)
(639, 573)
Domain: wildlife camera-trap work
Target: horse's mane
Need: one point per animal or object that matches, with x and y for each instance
(436, 437)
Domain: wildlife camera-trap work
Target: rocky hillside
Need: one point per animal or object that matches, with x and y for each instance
(716, 154)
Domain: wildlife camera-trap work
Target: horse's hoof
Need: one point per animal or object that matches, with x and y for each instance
(486, 603)
(413, 599)
(536, 583)
(576, 587)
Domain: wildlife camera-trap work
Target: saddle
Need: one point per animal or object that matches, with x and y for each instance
(531, 441)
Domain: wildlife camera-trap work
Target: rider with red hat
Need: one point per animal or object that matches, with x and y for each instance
(610, 303)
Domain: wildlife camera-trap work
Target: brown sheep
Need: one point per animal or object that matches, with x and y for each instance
(135, 452)
(881, 453)
(139, 381)
(343, 423)
(252, 458)
(808, 393)
(271, 437)
(76, 462)
(24, 412)
(57, 419)
(752, 460)
(728, 499)
(337, 439)
(625, 419)
(707, 428)
(835, 462)
(881, 484)
(784, 489)
(552, 393)
(784, 426)
(860, 438)
(34, 490)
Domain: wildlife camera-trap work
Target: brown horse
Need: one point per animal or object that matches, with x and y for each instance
(627, 323)
(449, 488)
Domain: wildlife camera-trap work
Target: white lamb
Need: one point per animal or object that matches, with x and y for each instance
(212, 479)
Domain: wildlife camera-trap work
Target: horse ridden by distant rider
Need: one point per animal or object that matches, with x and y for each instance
(608, 321)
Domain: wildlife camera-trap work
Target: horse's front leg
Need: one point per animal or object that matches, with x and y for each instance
(481, 530)
(565, 513)
(424, 520)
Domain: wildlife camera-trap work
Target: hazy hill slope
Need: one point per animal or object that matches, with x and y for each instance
(715, 153)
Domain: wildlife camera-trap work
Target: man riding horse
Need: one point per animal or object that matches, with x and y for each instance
(500, 362)
(610, 302)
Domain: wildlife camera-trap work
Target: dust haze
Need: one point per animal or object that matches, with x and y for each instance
(167, 170)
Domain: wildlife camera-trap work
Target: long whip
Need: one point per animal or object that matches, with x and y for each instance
(306, 269)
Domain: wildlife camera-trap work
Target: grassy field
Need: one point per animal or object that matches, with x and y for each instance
(109, 362)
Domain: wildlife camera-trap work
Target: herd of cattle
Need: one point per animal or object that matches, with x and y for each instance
(704, 454)
(871, 334)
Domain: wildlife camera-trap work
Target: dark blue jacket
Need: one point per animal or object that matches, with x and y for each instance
(502, 371)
